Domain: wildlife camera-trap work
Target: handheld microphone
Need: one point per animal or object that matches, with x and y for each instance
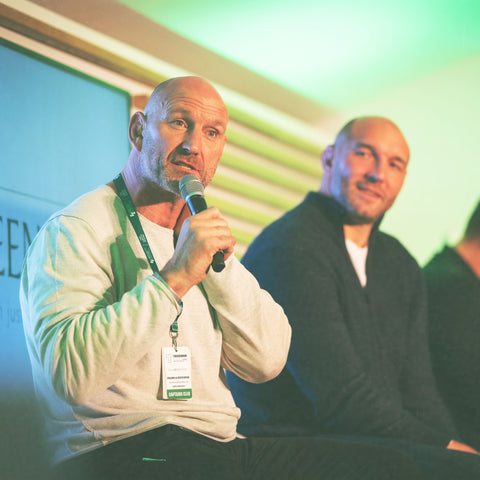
(192, 191)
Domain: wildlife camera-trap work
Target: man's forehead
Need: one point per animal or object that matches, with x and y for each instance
(192, 104)
(191, 92)
(380, 134)
(187, 101)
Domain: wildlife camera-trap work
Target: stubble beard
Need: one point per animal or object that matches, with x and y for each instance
(361, 214)
(154, 173)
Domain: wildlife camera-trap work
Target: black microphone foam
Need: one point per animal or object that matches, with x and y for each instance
(192, 191)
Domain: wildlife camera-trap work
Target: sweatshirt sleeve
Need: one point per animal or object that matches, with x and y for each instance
(421, 396)
(256, 333)
(85, 320)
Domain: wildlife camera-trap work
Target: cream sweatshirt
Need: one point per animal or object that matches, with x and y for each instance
(96, 319)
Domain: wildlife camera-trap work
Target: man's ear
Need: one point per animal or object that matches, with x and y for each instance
(136, 129)
(327, 157)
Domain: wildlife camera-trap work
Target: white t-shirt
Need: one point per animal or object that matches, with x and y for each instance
(358, 256)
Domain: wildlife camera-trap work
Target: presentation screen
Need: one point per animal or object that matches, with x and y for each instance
(62, 134)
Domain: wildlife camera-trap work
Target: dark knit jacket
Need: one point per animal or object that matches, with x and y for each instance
(359, 361)
(454, 325)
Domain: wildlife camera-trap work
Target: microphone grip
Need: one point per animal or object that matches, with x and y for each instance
(218, 262)
(197, 204)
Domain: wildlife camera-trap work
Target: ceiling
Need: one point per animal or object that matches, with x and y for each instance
(338, 53)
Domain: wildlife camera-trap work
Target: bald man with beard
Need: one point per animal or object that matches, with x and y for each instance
(359, 362)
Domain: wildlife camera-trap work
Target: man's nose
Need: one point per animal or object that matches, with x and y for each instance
(192, 142)
(376, 173)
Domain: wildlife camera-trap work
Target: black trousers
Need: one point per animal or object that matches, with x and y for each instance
(435, 462)
(174, 453)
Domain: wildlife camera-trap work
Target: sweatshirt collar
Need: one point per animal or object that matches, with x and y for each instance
(334, 210)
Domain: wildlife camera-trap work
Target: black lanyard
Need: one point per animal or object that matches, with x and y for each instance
(137, 226)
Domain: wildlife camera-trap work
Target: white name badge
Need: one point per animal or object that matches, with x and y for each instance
(176, 373)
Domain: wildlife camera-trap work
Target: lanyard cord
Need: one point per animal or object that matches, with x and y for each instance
(137, 226)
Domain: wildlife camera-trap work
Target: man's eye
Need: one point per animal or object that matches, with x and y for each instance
(212, 133)
(178, 123)
(396, 166)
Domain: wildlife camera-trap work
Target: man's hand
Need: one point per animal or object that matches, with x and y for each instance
(201, 236)
(454, 445)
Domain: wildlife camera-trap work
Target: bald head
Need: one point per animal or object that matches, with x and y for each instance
(179, 87)
(365, 168)
(357, 127)
(472, 232)
(182, 131)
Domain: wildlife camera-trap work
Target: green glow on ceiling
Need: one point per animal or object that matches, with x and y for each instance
(333, 51)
